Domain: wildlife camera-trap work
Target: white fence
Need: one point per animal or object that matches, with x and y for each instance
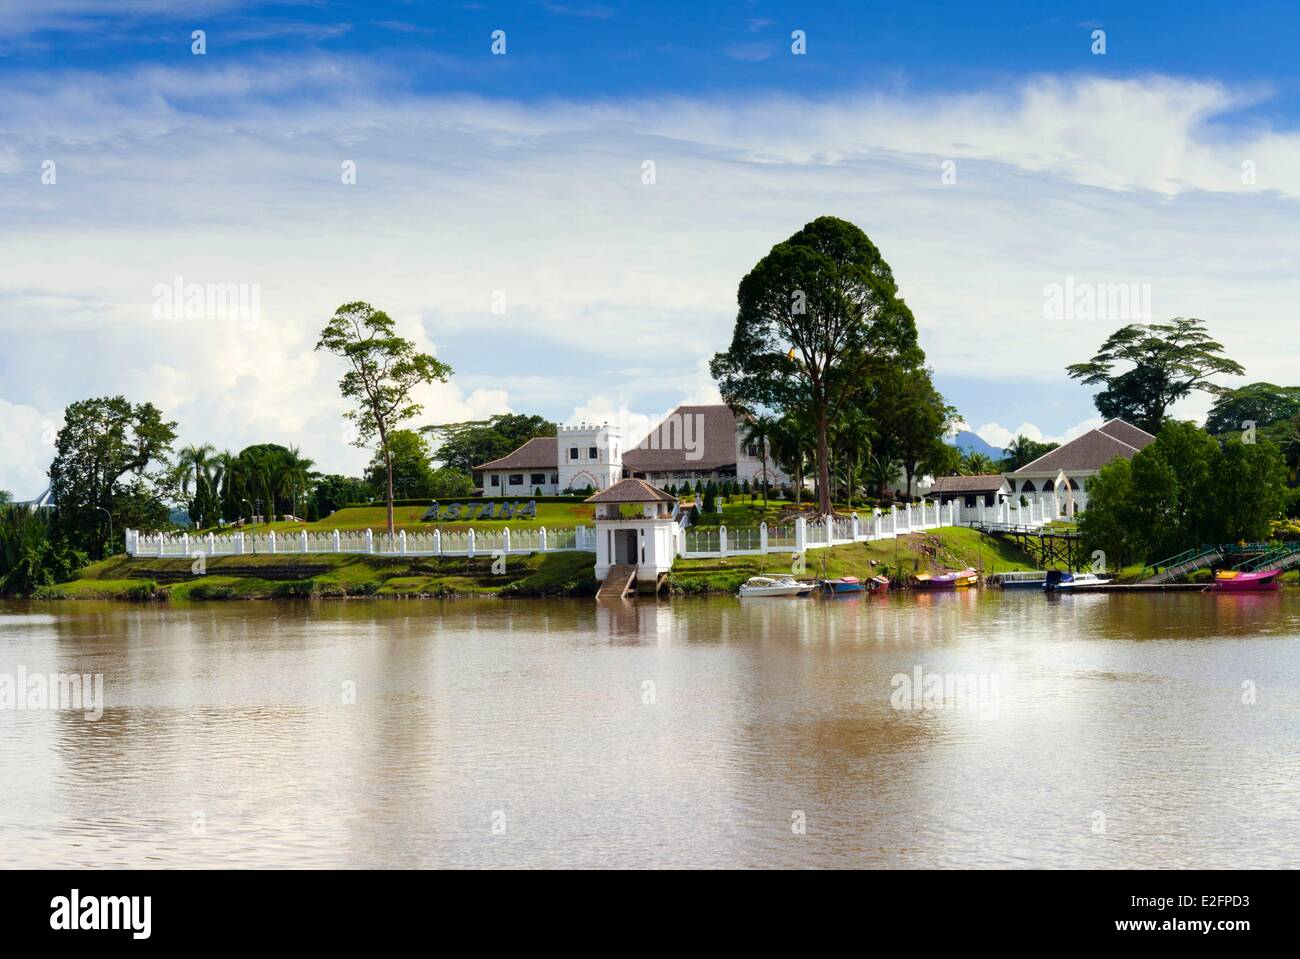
(802, 534)
(692, 542)
(470, 542)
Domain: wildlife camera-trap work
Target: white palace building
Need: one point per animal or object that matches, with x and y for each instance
(692, 444)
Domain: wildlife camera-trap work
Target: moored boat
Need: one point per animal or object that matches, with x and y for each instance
(775, 586)
(843, 585)
(1064, 580)
(1238, 581)
(878, 584)
(1021, 579)
(952, 579)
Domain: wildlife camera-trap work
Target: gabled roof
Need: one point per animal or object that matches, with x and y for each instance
(987, 483)
(540, 452)
(710, 431)
(1091, 451)
(1127, 433)
(631, 491)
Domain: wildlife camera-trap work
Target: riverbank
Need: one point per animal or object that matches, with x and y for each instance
(286, 576)
(329, 575)
(947, 548)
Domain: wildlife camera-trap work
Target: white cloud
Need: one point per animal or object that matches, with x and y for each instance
(995, 434)
(233, 176)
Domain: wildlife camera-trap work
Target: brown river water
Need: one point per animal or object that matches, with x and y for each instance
(1092, 731)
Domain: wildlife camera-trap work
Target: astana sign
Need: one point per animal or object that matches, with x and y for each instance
(470, 511)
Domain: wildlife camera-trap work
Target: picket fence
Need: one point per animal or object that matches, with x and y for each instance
(691, 542)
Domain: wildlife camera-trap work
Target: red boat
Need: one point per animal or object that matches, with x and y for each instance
(1236, 581)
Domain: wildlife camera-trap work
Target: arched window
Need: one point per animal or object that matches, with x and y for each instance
(1048, 486)
(1027, 487)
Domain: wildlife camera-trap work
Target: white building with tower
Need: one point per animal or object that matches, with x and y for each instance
(692, 444)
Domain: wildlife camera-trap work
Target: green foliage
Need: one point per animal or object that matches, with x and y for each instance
(334, 492)
(412, 469)
(818, 317)
(1260, 403)
(101, 468)
(1182, 491)
(463, 446)
(266, 478)
(1169, 361)
(976, 463)
(33, 552)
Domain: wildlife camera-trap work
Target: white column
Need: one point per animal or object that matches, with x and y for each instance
(337, 544)
(800, 534)
(302, 538)
(271, 540)
(401, 541)
(469, 540)
(541, 539)
(857, 527)
(762, 537)
(370, 541)
(722, 540)
(505, 540)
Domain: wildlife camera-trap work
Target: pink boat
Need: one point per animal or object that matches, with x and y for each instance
(1234, 581)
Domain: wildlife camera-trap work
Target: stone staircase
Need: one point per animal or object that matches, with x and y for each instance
(618, 582)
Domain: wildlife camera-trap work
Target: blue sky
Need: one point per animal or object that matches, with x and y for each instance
(500, 210)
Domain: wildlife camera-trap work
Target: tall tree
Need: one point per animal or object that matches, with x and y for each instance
(817, 318)
(100, 475)
(1169, 361)
(910, 417)
(384, 370)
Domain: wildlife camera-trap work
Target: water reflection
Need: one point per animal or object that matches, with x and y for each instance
(686, 732)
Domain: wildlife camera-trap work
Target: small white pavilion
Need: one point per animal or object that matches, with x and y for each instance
(635, 537)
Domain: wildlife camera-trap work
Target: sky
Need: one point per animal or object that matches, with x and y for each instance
(565, 222)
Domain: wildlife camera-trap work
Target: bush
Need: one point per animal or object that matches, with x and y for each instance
(1291, 507)
(294, 589)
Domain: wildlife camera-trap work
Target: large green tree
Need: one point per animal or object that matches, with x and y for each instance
(1166, 362)
(384, 369)
(412, 470)
(910, 417)
(462, 446)
(101, 476)
(818, 317)
(1260, 404)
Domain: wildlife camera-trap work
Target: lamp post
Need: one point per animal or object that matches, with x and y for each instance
(250, 509)
(110, 525)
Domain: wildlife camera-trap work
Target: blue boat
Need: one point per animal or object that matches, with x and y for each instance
(845, 584)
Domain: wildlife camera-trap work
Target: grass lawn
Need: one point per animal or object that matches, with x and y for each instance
(950, 548)
(744, 512)
(550, 515)
(290, 576)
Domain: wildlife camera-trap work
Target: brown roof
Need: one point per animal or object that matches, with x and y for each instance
(631, 491)
(989, 483)
(710, 430)
(540, 452)
(1091, 451)
(1127, 433)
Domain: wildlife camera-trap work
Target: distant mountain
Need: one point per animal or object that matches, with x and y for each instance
(969, 442)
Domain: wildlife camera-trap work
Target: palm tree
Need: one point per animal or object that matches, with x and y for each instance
(294, 476)
(194, 466)
(758, 432)
(977, 464)
(881, 471)
(791, 443)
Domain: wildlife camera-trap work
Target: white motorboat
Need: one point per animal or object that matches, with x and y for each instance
(776, 586)
(1068, 581)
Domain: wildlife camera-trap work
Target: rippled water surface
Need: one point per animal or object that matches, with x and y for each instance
(1111, 731)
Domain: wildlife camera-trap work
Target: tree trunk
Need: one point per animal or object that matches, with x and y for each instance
(823, 467)
(388, 468)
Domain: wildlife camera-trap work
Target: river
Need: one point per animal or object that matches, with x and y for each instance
(1091, 731)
